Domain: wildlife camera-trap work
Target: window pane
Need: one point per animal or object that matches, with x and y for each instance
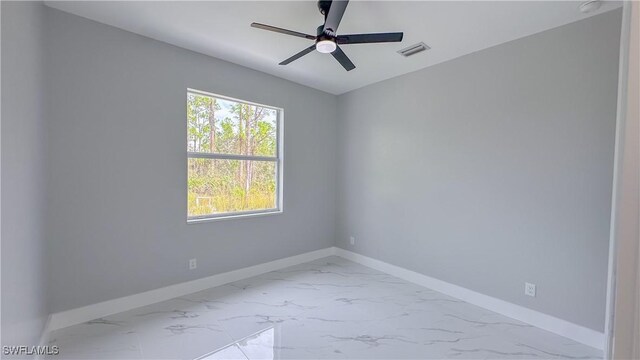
(219, 186)
(223, 126)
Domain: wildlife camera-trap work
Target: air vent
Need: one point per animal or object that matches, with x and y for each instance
(414, 49)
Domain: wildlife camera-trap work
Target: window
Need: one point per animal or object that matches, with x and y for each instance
(234, 157)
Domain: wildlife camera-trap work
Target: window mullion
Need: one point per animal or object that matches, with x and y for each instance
(230, 156)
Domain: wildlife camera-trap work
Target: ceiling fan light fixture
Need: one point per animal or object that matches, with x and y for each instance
(326, 46)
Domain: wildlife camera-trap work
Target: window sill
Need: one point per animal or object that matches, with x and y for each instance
(233, 216)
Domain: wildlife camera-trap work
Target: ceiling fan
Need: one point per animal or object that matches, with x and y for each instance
(326, 40)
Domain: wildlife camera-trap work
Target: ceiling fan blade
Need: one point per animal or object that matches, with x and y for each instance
(369, 38)
(343, 59)
(332, 21)
(299, 55)
(282, 31)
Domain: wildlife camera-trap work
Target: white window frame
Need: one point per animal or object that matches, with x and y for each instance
(278, 159)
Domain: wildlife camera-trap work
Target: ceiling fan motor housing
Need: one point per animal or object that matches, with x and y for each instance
(323, 35)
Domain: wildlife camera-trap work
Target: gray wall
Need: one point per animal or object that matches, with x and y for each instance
(492, 169)
(117, 189)
(24, 306)
(486, 171)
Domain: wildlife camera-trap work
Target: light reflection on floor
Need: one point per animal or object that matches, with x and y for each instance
(257, 346)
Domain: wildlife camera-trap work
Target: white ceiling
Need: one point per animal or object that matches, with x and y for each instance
(221, 29)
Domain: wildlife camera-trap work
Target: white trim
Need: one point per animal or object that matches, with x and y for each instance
(278, 159)
(220, 156)
(229, 98)
(90, 312)
(232, 215)
(547, 322)
(44, 337)
(617, 166)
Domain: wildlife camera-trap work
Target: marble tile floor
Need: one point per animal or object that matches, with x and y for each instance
(326, 309)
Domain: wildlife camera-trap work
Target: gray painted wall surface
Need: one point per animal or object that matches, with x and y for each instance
(117, 128)
(24, 299)
(492, 169)
(486, 171)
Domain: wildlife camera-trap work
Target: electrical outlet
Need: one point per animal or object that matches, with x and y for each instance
(192, 264)
(352, 240)
(530, 289)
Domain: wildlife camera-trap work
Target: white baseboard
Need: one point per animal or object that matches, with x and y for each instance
(44, 337)
(90, 312)
(547, 322)
(550, 323)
